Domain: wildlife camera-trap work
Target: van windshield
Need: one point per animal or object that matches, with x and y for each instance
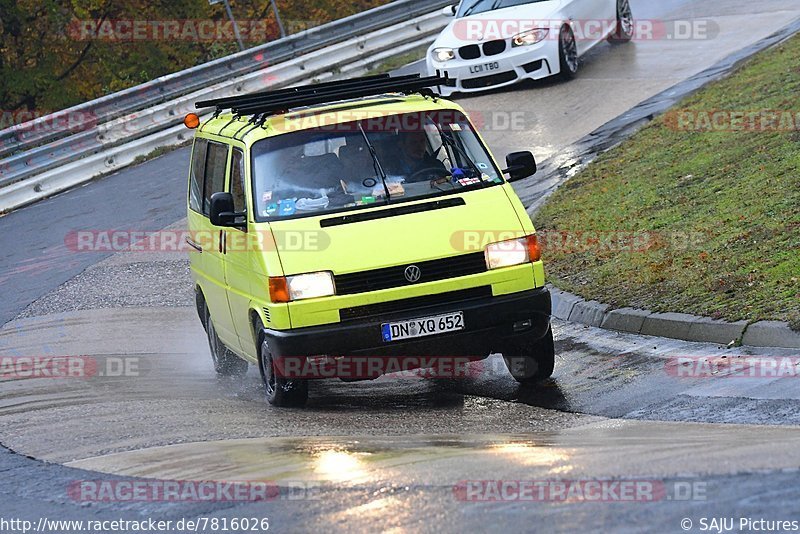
(357, 164)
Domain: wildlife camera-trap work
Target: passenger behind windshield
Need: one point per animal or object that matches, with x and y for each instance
(296, 170)
(349, 165)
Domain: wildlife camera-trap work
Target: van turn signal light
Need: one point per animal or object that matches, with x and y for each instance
(191, 121)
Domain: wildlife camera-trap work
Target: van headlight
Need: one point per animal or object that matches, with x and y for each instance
(443, 54)
(301, 286)
(530, 37)
(513, 252)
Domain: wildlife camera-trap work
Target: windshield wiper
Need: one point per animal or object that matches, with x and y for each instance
(376, 164)
(472, 6)
(451, 142)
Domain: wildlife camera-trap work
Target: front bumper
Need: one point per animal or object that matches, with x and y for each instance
(490, 324)
(523, 63)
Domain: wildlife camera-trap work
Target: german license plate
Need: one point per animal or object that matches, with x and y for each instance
(426, 326)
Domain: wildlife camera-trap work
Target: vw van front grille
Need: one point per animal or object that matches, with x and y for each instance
(395, 276)
(381, 309)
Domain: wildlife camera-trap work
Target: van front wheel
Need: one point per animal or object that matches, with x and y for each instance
(281, 391)
(533, 362)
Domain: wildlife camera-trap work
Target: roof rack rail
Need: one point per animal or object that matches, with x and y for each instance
(255, 97)
(309, 95)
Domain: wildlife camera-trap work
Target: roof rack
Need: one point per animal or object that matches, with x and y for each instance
(268, 102)
(223, 103)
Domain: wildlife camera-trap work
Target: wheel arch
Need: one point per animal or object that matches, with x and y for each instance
(257, 322)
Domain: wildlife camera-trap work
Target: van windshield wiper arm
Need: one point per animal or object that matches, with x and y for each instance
(376, 163)
(468, 160)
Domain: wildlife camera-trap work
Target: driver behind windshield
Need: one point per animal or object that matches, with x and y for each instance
(412, 159)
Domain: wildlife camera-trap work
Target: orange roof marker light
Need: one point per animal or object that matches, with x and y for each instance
(191, 121)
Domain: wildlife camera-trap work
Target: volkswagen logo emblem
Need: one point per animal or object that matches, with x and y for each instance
(412, 273)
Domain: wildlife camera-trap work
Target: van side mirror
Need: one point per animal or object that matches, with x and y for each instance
(450, 11)
(521, 165)
(222, 212)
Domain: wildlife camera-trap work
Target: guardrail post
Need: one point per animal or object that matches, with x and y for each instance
(278, 18)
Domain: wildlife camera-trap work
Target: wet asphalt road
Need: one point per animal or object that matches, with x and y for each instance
(388, 453)
(393, 452)
(168, 376)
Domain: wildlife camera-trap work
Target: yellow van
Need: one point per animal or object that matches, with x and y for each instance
(360, 221)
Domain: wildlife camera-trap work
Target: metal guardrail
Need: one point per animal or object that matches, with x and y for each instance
(31, 149)
(27, 135)
(38, 171)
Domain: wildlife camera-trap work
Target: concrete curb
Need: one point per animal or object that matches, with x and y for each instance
(572, 308)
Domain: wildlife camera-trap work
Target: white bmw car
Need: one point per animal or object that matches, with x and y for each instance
(494, 43)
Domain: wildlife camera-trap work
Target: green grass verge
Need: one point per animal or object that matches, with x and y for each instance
(395, 62)
(157, 152)
(714, 215)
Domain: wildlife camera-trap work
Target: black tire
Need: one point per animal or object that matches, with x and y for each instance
(226, 363)
(530, 363)
(567, 53)
(625, 23)
(280, 391)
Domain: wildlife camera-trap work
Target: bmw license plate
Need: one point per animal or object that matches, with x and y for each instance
(426, 326)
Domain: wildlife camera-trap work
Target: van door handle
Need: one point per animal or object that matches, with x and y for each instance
(223, 242)
(194, 245)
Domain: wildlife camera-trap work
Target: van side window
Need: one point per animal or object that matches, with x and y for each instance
(216, 163)
(237, 180)
(196, 175)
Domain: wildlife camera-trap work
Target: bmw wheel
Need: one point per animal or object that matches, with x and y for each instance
(281, 391)
(625, 24)
(226, 363)
(567, 53)
(533, 362)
